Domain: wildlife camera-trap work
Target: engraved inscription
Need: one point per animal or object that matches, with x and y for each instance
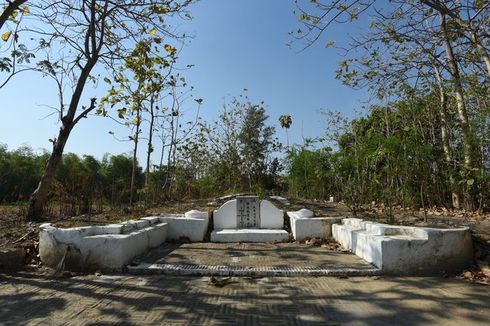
(248, 212)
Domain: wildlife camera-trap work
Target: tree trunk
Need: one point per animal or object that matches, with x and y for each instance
(39, 196)
(135, 152)
(150, 143)
(458, 89)
(443, 10)
(445, 137)
(482, 51)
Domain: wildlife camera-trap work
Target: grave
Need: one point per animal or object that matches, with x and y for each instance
(106, 248)
(193, 225)
(406, 250)
(248, 219)
(304, 225)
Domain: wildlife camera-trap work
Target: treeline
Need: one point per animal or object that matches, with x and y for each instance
(395, 156)
(428, 63)
(127, 52)
(81, 183)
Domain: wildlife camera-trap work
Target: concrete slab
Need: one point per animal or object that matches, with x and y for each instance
(249, 235)
(248, 255)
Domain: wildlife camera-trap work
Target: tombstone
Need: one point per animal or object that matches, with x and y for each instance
(248, 212)
(248, 219)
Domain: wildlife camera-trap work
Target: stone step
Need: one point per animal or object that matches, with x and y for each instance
(243, 271)
(249, 235)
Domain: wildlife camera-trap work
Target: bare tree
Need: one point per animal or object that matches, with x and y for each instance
(81, 35)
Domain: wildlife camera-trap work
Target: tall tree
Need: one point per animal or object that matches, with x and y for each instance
(285, 121)
(85, 34)
(408, 44)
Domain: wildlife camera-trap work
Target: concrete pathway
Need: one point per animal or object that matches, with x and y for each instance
(169, 300)
(251, 259)
(253, 255)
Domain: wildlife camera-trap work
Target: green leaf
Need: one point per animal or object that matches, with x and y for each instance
(153, 32)
(470, 182)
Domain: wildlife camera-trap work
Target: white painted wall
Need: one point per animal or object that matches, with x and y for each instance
(304, 225)
(404, 249)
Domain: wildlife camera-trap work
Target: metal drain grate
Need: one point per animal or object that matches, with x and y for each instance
(216, 270)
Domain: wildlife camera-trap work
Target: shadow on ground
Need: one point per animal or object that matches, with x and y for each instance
(90, 300)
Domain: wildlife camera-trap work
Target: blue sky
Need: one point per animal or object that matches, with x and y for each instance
(238, 44)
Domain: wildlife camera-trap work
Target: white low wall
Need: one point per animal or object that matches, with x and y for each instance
(106, 248)
(193, 225)
(304, 225)
(404, 249)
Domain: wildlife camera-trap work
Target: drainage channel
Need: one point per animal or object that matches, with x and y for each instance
(260, 271)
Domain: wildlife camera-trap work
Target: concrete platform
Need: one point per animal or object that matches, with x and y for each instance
(106, 248)
(304, 225)
(250, 259)
(249, 235)
(405, 250)
(192, 225)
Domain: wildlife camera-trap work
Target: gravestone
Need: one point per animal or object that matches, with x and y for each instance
(248, 219)
(248, 212)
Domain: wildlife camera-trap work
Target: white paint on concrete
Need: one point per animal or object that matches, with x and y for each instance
(225, 216)
(249, 235)
(304, 213)
(404, 249)
(271, 224)
(304, 225)
(107, 248)
(197, 214)
(270, 216)
(192, 225)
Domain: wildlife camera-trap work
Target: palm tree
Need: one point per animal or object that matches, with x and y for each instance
(286, 121)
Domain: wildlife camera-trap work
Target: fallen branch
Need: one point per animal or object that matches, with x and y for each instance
(30, 233)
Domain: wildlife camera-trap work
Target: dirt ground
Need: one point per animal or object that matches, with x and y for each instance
(17, 234)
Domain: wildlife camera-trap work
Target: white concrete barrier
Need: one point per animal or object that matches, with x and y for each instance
(304, 225)
(106, 248)
(192, 225)
(406, 250)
